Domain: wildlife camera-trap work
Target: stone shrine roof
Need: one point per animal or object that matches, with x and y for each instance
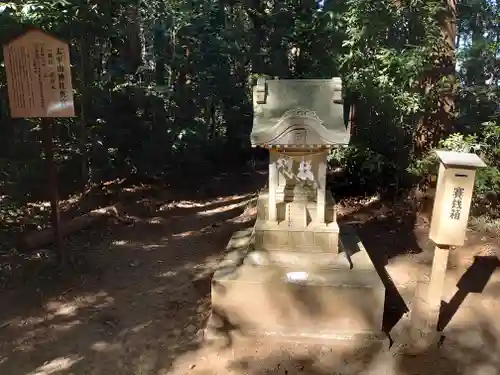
(299, 113)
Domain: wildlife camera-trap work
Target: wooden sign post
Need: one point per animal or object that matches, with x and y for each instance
(450, 215)
(38, 73)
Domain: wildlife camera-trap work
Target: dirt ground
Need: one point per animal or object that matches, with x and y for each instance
(140, 301)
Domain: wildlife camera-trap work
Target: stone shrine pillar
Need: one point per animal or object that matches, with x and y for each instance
(321, 190)
(273, 188)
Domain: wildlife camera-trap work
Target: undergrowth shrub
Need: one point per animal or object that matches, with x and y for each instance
(487, 183)
(363, 170)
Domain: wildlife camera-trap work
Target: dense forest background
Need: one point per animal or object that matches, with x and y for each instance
(163, 88)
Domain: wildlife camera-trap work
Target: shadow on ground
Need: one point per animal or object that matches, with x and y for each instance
(467, 350)
(140, 302)
(387, 233)
(141, 297)
(394, 234)
(474, 280)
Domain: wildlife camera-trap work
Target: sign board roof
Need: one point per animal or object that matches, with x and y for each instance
(38, 76)
(460, 159)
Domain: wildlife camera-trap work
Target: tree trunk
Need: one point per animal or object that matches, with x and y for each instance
(279, 59)
(256, 14)
(441, 121)
(132, 53)
(86, 73)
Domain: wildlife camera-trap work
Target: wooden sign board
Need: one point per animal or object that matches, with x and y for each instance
(38, 76)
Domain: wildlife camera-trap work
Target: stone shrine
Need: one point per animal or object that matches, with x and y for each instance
(296, 274)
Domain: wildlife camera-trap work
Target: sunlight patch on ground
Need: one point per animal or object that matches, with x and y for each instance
(185, 234)
(404, 273)
(105, 347)
(349, 208)
(152, 246)
(224, 208)
(243, 218)
(141, 245)
(156, 220)
(182, 204)
(120, 243)
(161, 289)
(370, 200)
(64, 326)
(97, 300)
(178, 271)
(140, 327)
(44, 328)
(485, 224)
(195, 204)
(57, 365)
(168, 274)
(247, 215)
(62, 309)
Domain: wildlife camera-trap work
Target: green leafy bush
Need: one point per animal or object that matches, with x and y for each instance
(487, 184)
(365, 171)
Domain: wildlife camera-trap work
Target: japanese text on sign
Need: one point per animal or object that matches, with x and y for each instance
(456, 203)
(38, 76)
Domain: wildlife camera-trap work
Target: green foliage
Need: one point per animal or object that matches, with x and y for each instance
(389, 49)
(365, 171)
(460, 143)
(487, 179)
(165, 85)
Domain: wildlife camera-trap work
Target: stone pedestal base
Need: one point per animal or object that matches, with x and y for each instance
(297, 302)
(313, 238)
(263, 209)
(298, 233)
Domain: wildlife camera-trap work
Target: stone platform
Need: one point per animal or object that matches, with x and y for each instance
(340, 297)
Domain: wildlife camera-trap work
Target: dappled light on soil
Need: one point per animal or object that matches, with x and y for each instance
(226, 208)
(97, 301)
(120, 243)
(57, 365)
(143, 305)
(106, 347)
(246, 187)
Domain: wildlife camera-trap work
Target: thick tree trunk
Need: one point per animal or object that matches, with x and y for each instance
(279, 59)
(86, 76)
(434, 125)
(132, 52)
(256, 14)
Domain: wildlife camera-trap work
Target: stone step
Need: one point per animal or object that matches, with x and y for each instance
(304, 259)
(295, 300)
(289, 302)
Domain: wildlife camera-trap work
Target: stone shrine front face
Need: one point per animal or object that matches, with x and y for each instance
(298, 121)
(296, 250)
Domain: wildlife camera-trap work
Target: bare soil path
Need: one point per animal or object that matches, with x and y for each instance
(141, 303)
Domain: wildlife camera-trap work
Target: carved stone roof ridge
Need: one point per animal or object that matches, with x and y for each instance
(312, 107)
